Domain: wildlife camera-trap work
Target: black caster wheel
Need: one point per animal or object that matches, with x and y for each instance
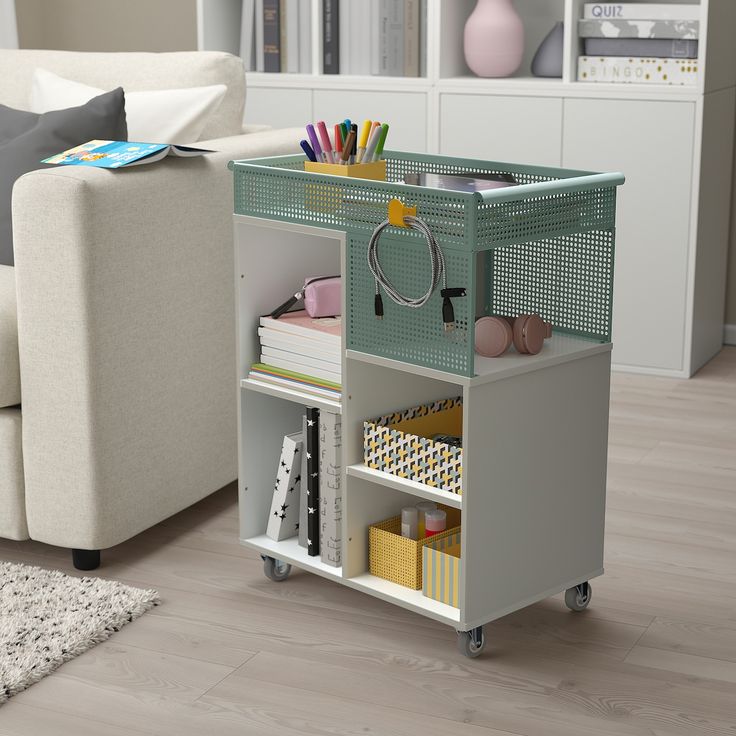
(276, 570)
(471, 643)
(578, 598)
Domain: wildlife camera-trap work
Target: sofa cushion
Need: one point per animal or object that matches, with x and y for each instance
(154, 116)
(9, 368)
(26, 138)
(134, 72)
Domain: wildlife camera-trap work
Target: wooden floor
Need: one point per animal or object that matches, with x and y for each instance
(230, 653)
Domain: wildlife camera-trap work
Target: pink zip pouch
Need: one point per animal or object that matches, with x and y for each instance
(322, 298)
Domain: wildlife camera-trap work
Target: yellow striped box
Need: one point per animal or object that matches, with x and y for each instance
(441, 570)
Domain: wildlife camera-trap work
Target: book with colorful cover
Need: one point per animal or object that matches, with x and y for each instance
(296, 366)
(116, 154)
(284, 377)
(287, 383)
(299, 361)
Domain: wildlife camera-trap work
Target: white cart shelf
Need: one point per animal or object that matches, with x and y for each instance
(535, 447)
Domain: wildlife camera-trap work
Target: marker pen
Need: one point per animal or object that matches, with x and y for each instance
(326, 145)
(364, 133)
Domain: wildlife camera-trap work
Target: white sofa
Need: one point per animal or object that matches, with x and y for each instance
(117, 398)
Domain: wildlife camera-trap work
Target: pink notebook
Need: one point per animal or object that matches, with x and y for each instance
(327, 329)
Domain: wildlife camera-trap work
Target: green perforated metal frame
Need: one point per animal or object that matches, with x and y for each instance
(545, 246)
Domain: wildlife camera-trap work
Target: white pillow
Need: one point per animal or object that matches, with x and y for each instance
(155, 116)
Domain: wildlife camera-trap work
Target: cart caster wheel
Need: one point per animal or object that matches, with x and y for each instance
(471, 643)
(276, 570)
(578, 598)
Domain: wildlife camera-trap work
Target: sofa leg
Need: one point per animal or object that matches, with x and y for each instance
(86, 559)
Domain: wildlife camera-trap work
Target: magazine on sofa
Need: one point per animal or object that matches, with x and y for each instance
(116, 154)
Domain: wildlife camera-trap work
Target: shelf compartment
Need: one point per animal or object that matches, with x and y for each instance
(413, 600)
(405, 486)
(560, 348)
(289, 551)
(298, 397)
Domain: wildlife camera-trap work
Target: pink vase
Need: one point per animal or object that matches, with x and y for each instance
(494, 39)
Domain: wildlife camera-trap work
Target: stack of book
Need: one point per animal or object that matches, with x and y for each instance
(276, 36)
(379, 37)
(301, 353)
(307, 492)
(639, 43)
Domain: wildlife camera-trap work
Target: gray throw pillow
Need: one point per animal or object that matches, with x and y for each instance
(27, 137)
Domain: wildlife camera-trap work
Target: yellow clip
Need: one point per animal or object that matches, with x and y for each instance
(397, 211)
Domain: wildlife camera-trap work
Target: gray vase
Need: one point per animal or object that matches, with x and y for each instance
(547, 61)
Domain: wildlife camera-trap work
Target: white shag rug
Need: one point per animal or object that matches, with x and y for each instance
(48, 618)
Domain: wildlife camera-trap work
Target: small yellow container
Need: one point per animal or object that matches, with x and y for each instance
(401, 444)
(375, 170)
(441, 569)
(399, 559)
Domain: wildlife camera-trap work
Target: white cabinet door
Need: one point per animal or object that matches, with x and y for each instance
(405, 112)
(652, 144)
(525, 130)
(278, 107)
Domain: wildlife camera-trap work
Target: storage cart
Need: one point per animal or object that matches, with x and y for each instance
(532, 499)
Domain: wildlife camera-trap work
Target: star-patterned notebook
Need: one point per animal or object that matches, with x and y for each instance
(283, 520)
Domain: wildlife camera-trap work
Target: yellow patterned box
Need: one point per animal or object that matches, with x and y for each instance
(441, 569)
(402, 444)
(398, 558)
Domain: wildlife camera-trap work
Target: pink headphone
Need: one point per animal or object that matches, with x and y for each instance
(494, 335)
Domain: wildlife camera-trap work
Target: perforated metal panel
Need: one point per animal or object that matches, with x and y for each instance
(567, 280)
(278, 188)
(546, 246)
(410, 335)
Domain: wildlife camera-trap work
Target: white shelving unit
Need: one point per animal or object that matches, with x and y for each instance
(675, 145)
(534, 448)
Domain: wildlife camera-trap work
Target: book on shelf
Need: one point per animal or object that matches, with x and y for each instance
(296, 381)
(312, 444)
(283, 517)
(296, 361)
(290, 36)
(330, 37)
(379, 37)
(258, 32)
(689, 29)
(276, 35)
(661, 48)
(301, 346)
(411, 38)
(330, 488)
(271, 35)
(298, 366)
(641, 11)
(299, 323)
(624, 70)
(247, 35)
(302, 536)
(305, 36)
